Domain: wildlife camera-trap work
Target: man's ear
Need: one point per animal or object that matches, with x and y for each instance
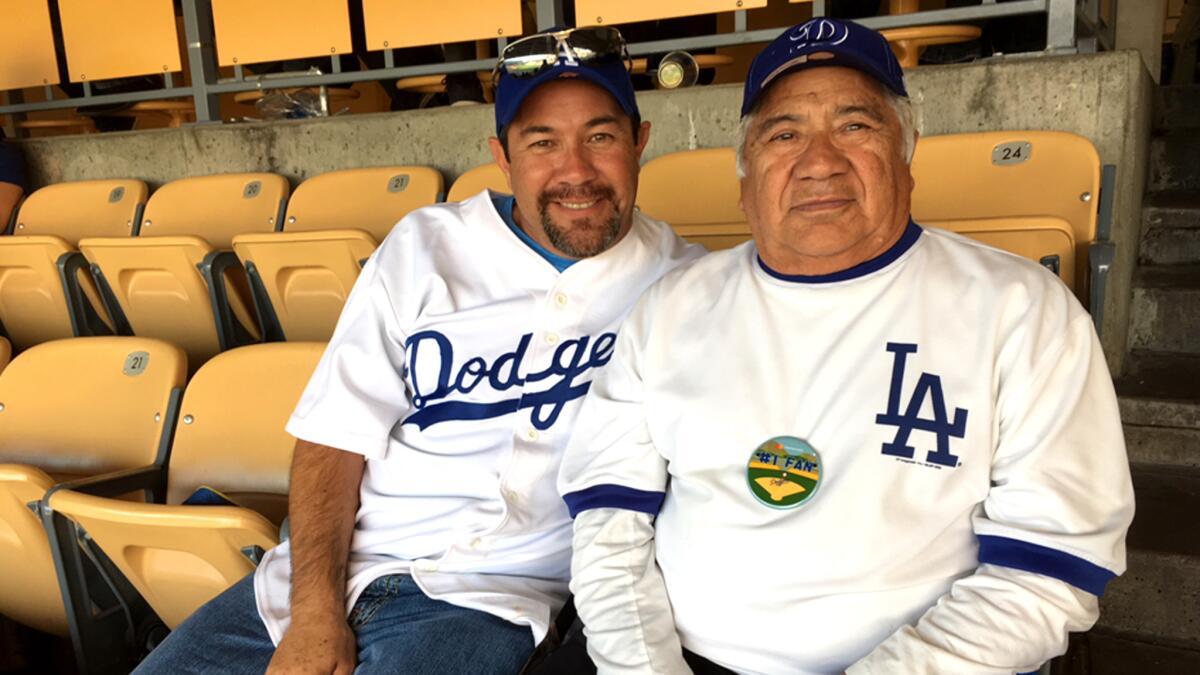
(500, 157)
(642, 139)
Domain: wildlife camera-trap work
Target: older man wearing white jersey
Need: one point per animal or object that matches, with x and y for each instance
(853, 444)
(426, 532)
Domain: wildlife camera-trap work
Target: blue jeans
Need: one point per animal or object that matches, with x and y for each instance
(399, 630)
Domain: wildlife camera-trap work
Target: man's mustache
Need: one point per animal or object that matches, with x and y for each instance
(578, 193)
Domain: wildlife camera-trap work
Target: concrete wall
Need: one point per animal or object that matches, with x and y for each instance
(1104, 97)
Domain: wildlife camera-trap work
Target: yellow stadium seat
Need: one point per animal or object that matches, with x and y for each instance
(1045, 239)
(608, 12)
(108, 40)
(26, 46)
(5, 353)
(73, 409)
(476, 180)
(278, 30)
(231, 438)
(1014, 174)
(391, 24)
(178, 279)
(302, 276)
(696, 192)
(46, 291)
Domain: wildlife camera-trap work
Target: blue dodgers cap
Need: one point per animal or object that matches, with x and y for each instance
(824, 42)
(613, 77)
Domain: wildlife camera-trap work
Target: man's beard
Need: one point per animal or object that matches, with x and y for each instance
(596, 238)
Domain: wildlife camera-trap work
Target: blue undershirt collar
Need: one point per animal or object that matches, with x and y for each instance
(911, 234)
(504, 206)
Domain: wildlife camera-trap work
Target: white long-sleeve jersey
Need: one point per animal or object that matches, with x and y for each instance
(915, 465)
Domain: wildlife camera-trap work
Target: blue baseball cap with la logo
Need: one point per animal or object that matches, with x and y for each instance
(824, 42)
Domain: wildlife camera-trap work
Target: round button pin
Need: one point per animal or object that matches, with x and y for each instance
(784, 472)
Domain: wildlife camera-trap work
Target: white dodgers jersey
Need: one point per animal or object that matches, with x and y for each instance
(832, 453)
(457, 368)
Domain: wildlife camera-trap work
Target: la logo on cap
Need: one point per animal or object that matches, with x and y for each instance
(819, 32)
(566, 57)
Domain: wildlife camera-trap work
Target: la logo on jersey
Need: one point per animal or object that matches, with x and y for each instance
(929, 387)
(438, 387)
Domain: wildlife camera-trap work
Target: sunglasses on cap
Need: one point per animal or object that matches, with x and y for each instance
(588, 46)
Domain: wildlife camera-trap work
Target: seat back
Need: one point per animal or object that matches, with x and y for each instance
(231, 433)
(1049, 241)
(85, 406)
(696, 192)
(86, 208)
(30, 592)
(217, 207)
(391, 24)
(109, 40)
(34, 306)
(1011, 174)
(70, 409)
(26, 46)
(296, 30)
(44, 292)
(301, 279)
(372, 199)
(231, 438)
(474, 181)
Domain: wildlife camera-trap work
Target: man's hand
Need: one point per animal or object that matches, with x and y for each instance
(316, 646)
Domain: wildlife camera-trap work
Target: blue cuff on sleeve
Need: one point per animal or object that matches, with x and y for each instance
(614, 497)
(1022, 555)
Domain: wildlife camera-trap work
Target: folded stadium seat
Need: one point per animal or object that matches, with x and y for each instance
(161, 282)
(5, 353)
(46, 290)
(1034, 186)
(72, 409)
(696, 192)
(301, 276)
(231, 439)
(476, 180)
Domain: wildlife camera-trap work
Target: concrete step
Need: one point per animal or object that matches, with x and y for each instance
(1177, 107)
(1171, 228)
(1160, 409)
(1166, 309)
(1103, 652)
(1157, 599)
(1174, 162)
(1167, 497)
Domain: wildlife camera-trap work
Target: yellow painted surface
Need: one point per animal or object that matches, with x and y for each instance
(607, 12)
(26, 45)
(119, 38)
(409, 23)
(274, 30)
(779, 488)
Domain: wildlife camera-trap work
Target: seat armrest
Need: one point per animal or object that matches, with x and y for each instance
(151, 478)
(1100, 260)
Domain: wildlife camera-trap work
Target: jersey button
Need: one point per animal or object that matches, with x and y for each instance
(561, 299)
(552, 338)
(427, 566)
(531, 434)
(475, 543)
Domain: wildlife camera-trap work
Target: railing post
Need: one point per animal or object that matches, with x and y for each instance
(202, 58)
(1060, 26)
(550, 14)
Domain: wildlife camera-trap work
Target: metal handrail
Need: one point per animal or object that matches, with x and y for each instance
(1061, 20)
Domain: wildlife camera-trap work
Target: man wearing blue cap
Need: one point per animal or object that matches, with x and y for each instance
(427, 534)
(853, 444)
